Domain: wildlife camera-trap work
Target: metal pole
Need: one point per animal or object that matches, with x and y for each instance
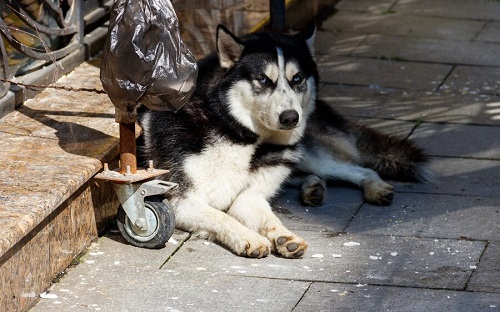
(277, 15)
(128, 159)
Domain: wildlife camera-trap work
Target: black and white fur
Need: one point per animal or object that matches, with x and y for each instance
(253, 118)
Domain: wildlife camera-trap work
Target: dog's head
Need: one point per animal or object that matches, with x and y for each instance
(272, 79)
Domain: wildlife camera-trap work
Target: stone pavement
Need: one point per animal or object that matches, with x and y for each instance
(393, 65)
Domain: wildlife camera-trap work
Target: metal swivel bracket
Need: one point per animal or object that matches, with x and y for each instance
(132, 196)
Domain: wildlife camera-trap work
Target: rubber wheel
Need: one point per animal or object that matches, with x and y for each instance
(161, 221)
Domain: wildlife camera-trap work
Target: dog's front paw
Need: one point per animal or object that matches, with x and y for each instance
(254, 247)
(379, 193)
(290, 246)
(313, 191)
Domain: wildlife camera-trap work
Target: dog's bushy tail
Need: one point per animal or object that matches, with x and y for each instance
(392, 157)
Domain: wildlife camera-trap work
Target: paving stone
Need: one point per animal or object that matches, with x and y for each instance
(460, 9)
(444, 106)
(380, 73)
(458, 140)
(113, 248)
(487, 276)
(432, 215)
(459, 176)
(446, 140)
(403, 25)
(340, 205)
(490, 33)
(342, 297)
(474, 80)
(379, 7)
(331, 43)
(160, 291)
(401, 128)
(118, 285)
(430, 50)
(381, 260)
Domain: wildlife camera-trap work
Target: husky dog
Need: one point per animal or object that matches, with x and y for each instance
(235, 142)
(242, 133)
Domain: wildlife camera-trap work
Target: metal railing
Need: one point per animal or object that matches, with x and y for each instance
(41, 40)
(35, 32)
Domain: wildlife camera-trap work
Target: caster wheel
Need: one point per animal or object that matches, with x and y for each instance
(161, 225)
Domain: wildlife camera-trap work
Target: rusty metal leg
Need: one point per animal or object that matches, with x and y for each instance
(128, 159)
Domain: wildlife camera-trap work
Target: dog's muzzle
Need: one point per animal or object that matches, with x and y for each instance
(289, 119)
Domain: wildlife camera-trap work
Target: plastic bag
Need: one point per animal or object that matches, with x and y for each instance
(144, 59)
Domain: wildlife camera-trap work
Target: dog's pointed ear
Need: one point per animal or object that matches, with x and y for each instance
(228, 46)
(308, 34)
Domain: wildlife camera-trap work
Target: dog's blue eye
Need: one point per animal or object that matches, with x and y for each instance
(263, 80)
(297, 78)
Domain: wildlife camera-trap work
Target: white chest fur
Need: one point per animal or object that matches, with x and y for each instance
(223, 170)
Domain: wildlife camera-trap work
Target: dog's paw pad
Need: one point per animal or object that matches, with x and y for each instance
(258, 253)
(257, 250)
(282, 240)
(290, 247)
(299, 254)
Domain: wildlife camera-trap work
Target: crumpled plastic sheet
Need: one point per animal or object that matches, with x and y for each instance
(144, 59)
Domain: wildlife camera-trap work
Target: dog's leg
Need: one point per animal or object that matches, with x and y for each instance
(376, 190)
(196, 216)
(253, 210)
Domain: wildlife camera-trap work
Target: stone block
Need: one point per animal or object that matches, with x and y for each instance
(380, 73)
(487, 276)
(114, 276)
(456, 9)
(380, 260)
(474, 80)
(365, 5)
(341, 203)
(459, 176)
(394, 24)
(361, 297)
(456, 140)
(383, 103)
(431, 215)
(331, 43)
(431, 50)
(490, 33)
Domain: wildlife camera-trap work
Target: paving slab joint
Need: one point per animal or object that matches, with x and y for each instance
(175, 251)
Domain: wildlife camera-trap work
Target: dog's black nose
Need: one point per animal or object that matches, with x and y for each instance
(289, 118)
